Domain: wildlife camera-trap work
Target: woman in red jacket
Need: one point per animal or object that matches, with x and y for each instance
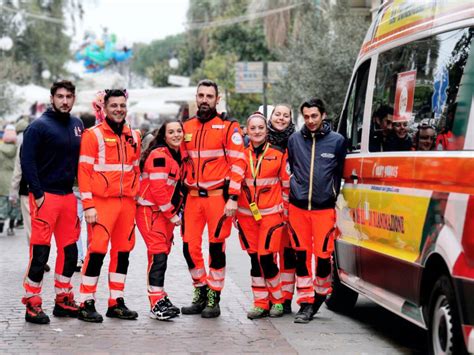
(261, 216)
(159, 203)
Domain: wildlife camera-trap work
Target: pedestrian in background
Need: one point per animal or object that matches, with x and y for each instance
(316, 157)
(159, 204)
(7, 164)
(280, 128)
(261, 214)
(49, 158)
(213, 175)
(108, 182)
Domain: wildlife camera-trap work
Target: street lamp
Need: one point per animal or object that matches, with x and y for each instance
(173, 63)
(46, 74)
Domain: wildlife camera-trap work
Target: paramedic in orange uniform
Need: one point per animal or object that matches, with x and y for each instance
(261, 215)
(159, 203)
(316, 157)
(214, 171)
(108, 181)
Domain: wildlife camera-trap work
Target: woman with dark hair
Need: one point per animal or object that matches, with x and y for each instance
(280, 128)
(159, 203)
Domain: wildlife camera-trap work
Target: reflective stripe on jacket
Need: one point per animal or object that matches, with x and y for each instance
(270, 188)
(108, 163)
(216, 154)
(159, 185)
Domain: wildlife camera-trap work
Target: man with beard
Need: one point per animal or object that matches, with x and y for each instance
(213, 174)
(49, 159)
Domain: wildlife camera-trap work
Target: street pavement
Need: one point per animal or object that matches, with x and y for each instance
(368, 330)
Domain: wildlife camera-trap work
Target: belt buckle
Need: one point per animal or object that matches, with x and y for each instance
(202, 193)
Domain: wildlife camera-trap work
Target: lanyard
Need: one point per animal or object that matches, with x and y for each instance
(254, 170)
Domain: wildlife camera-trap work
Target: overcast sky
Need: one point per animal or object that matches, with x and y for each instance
(134, 20)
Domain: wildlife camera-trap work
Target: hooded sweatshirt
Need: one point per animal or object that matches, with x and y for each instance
(50, 153)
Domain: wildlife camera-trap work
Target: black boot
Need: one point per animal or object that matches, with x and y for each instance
(199, 301)
(121, 311)
(34, 312)
(318, 301)
(212, 309)
(287, 307)
(305, 314)
(88, 313)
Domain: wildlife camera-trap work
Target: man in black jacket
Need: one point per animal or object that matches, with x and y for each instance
(49, 159)
(316, 158)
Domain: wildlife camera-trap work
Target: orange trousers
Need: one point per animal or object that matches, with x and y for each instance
(287, 262)
(198, 212)
(58, 215)
(262, 240)
(157, 232)
(313, 233)
(115, 224)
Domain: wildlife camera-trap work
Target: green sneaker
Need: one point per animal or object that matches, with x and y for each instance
(277, 310)
(257, 312)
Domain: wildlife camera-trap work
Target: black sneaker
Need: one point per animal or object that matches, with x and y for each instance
(305, 314)
(212, 309)
(88, 313)
(287, 307)
(198, 303)
(34, 312)
(318, 301)
(171, 306)
(161, 311)
(121, 311)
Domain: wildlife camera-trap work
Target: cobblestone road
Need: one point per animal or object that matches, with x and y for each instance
(230, 333)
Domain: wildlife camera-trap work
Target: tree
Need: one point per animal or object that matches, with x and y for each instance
(322, 55)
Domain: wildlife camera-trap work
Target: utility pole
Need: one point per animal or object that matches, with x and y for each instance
(264, 91)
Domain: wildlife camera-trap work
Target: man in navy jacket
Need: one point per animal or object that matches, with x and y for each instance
(316, 158)
(49, 160)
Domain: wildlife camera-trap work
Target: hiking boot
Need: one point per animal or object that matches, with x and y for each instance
(287, 307)
(318, 301)
(171, 306)
(305, 314)
(121, 311)
(212, 309)
(198, 303)
(88, 313)
(276, 310)
(34, 312)
(257, 312)
(65, 306)
(162, 311)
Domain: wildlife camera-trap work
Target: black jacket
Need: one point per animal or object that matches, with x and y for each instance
(329, 154)
(50, 153)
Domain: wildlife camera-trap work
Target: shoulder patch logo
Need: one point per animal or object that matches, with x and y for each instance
(237, 138)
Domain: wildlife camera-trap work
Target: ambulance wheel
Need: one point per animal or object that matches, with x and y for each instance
(342, 299)
(444, 328)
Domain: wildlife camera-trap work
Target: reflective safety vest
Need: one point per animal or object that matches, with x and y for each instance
(216, 154)
(108, 163)
(266, 182)
(160, 182)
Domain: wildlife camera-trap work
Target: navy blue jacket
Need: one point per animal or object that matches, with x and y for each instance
(50, 153)
(329, 154)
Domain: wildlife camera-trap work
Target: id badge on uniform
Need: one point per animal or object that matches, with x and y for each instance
(255, 212)
(188, 137)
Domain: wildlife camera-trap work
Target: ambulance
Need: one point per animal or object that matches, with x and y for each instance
(406, 210)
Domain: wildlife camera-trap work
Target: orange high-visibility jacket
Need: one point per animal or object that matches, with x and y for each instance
(159, 185)
(269, 189)
(216, 153)
(108, 163)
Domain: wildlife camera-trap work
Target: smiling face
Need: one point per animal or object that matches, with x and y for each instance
(400, 129)
(257, 130)
(281, 118)
(62, 100)
(116, 108)
(174, 135)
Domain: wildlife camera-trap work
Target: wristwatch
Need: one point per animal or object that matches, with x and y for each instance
(234, 197)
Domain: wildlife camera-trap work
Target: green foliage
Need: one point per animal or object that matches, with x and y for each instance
(321, 57)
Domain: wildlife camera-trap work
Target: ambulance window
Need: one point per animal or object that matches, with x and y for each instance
(425, 84)
(350, 125)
